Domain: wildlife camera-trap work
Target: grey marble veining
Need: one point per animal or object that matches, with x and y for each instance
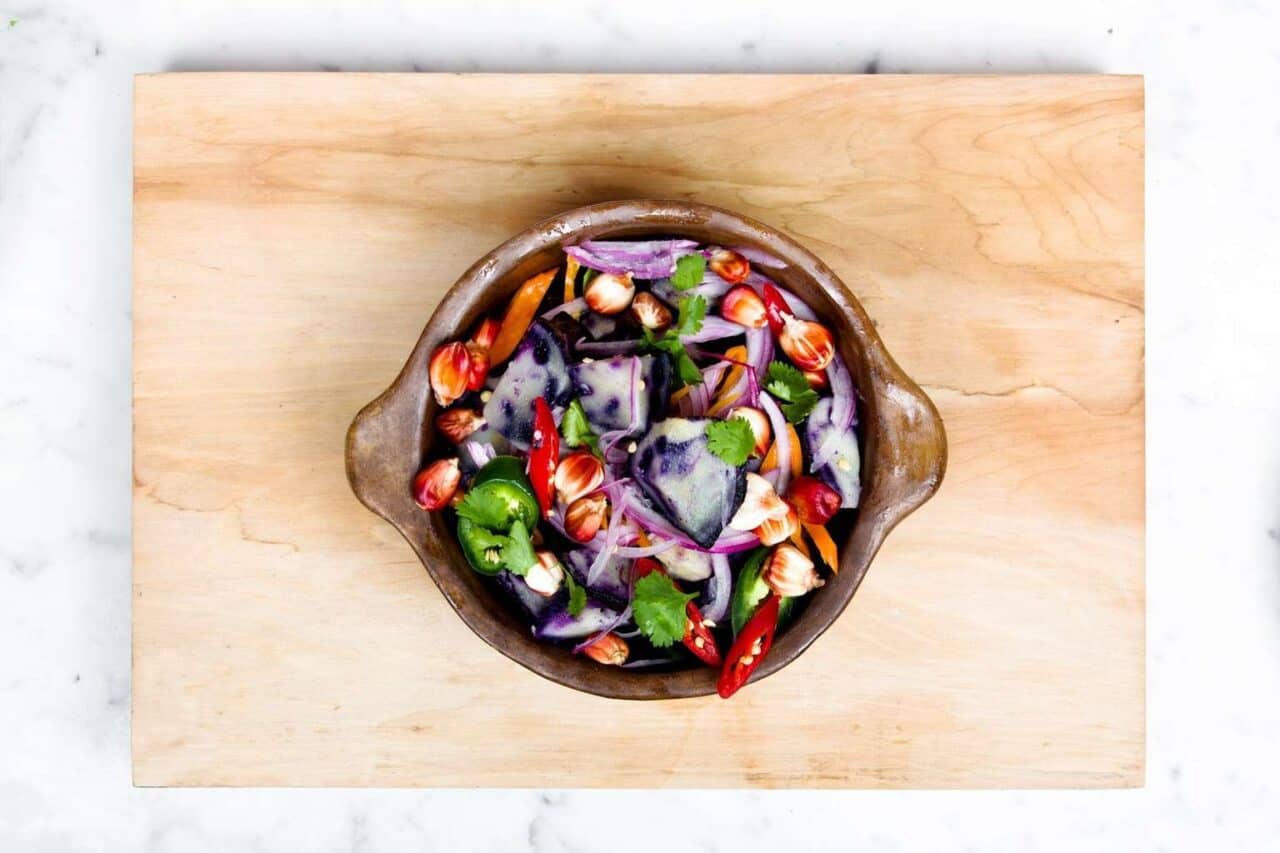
(1213, 291)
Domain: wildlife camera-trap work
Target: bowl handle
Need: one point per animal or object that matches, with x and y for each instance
(913, 457)
(383, 450)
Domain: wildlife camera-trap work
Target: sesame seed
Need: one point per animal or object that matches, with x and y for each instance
(746, 660)
(708, 623)
(699, 642)
(485, 396)
(640, 384)
(631, 447)
(588, 360)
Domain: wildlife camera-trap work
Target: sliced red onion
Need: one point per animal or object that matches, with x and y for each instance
(744, 390)
(604, 632)
(480, 453)
(759, 350)
(645, 663)
(574, 305)
(759, 256)
(711, 288)
(643, 259)
(716, 607)
(821, 454)
(648, 550)
(622, 617)
(843, 408)
(732, 541)
(610, 541)
(782, 441)
(696, 401)
(614, 488)
(714, 329)
(606, 347)
(652, 521)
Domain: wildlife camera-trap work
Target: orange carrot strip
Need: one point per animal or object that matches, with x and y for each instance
(570, 276)
(770, 458)
(797, 539)
(679, 395)
(519, 316)
(732, 375)
(825, 544)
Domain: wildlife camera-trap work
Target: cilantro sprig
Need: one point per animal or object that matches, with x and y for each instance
(478, 509)
(689, 271)
(693, 310)
(576, 429)
(577, 594)
(517, 551)
(731, 440)
(792, 389)
(659, 609)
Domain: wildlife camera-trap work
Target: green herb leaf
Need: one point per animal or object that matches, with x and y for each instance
(693, 310)
(576, 429)
(517, 553)
(659, 609)
(731, 440)
(789, 385)
(474, 507)
(686, 369)
(577, 595)
(689, 271)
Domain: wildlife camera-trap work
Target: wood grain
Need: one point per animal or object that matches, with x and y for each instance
(294, 232)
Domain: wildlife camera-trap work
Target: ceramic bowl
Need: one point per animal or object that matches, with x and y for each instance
(901, 436)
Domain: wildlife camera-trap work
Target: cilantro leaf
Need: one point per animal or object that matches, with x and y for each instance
(693, 310)
(689, 271)
(731, 440)
(576, 429)
(686, 369)
(577, 595)
(659, 609)
(475, 508)
(789, 385)
(517, 552)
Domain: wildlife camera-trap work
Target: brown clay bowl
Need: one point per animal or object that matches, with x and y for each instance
(903, 445)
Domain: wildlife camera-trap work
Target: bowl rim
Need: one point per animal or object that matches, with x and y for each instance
(903, 459)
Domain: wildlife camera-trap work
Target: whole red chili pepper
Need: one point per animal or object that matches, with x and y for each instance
(697, 634)
(544, 455)
(776, 309)
(750, 647)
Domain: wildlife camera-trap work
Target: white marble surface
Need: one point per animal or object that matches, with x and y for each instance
(1213, 291)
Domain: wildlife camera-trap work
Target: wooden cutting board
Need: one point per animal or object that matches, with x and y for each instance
(293, 232)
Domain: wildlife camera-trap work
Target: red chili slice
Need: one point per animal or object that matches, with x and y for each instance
(695, 627)
(776, 309)
(698, 637)
(749, 648)
(544, 455)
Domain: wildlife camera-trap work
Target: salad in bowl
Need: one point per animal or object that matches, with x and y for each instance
(644, 454)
